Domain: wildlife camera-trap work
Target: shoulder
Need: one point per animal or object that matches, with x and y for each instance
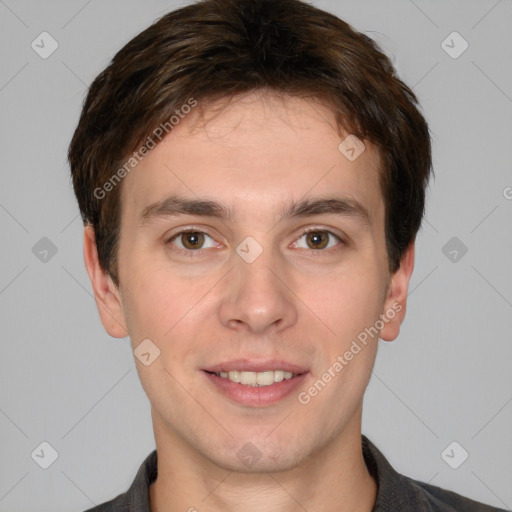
(399, 493)
(437, 499)
(114, 505)
(136, 498)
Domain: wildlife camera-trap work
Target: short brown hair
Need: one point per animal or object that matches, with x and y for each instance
(220, 48)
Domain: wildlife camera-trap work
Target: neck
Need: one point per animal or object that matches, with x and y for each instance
(334, 478)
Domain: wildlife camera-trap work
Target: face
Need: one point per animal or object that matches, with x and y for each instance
(272, 260)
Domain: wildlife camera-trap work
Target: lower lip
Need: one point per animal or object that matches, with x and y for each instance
(255, 396)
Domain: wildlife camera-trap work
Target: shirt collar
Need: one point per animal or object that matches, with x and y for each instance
(395, 491)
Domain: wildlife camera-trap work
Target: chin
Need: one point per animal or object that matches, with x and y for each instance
(259, 455)
(263, 463)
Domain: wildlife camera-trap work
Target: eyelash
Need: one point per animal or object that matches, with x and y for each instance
(191, 252)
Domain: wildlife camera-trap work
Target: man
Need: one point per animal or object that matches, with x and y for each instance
(252, 175)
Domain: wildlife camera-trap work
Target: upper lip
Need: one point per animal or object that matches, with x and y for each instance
(253, 365)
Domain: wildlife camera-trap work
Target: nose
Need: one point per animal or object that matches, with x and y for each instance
(258, 297)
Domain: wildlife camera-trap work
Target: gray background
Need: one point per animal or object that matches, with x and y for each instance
(447, 378)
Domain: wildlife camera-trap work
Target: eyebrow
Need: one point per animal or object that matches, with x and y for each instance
(176, 206)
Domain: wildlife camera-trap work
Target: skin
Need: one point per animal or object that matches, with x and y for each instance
(295, 302)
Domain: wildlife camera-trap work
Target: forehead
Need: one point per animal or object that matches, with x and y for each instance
(253, 154)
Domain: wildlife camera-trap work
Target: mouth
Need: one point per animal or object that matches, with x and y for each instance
(256, 379)
(254, 383)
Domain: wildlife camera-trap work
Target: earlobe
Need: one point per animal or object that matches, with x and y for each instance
(396, 300)
(106, 294)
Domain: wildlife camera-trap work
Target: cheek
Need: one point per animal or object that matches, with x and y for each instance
(168, 312)
(150, 305)
(346, 303)
(167, 308)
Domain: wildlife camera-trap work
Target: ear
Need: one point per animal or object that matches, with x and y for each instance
(106, 292)
(396, 300)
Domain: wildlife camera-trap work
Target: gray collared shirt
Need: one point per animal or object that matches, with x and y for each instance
(396, 492)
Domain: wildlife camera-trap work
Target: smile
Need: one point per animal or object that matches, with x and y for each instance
(256, 379)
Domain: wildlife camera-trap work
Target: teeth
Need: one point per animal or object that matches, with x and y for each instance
(257, 378)
(234, 376)
(278, 375)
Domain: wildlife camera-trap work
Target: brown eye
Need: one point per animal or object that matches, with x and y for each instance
(192, 239)
(189, 241)
(317, 239)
